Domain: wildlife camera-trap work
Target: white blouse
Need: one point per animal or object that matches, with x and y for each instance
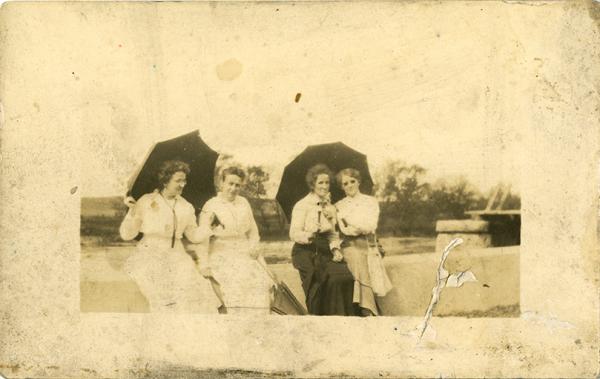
(358, 215)
(235, 216)
(155, 216)
(308, 218)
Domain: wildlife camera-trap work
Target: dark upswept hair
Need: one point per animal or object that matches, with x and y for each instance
(351, 172)
(168, 169)
(315, 171)
(232, 170)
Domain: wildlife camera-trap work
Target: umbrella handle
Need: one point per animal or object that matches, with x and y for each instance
(215, 221)
(129, 202)
(263, 263)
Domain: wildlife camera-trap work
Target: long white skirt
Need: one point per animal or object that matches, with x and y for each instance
(168, 278)
(244, 283)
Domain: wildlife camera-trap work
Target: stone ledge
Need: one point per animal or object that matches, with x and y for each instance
(462, 226)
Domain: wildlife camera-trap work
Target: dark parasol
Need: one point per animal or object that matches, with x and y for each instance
(190, 149)
(336, 156)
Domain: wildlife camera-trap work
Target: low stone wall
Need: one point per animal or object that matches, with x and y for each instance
(414, 275)
(106, 288)
(475, 233)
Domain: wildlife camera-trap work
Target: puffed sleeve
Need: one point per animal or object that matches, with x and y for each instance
(132, 223)
(297, 232)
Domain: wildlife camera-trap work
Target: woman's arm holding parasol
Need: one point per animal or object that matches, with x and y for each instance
(132, 223)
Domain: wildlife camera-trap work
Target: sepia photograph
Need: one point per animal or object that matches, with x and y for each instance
(300, 189)
(315, 235)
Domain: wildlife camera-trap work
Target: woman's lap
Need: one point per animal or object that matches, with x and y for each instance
(170, 282)
(327, 284)
(338, 272)
(244, 283)
(356, 256)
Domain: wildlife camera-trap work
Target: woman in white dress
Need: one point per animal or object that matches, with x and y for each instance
(357, 216)
(233, 261)
(164, 272)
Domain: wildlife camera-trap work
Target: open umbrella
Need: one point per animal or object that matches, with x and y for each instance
(188, 148)
(336, 156)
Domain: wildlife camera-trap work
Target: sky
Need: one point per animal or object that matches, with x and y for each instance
(429, 92)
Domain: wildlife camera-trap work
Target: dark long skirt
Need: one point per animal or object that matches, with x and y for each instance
(328, 285)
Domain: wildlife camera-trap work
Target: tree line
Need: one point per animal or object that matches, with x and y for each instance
(410, 205)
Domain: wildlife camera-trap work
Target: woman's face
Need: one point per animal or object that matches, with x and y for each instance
(176, 184)
(321, 187)
(231, 186)
(350, 185)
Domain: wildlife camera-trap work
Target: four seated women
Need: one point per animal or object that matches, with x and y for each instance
(340, 276)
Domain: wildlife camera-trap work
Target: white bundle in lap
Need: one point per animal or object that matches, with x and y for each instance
(380, 282)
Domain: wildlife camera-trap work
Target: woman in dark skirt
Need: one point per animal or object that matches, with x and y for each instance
(326, 280)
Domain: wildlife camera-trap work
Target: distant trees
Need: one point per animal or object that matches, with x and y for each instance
(451, 198)
(401, 183)
(254, 185)
(404, 195)
(256, 177)
(411, 206)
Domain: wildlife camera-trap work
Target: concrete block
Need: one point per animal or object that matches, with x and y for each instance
(462, 226)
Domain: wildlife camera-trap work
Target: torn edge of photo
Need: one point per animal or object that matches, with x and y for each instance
(299, 189)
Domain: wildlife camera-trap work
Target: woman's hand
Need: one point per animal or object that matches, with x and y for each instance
(254, 253)
(205, 271)
(215, 223)
(351, 230)
(129, 201)
(309, 232)
(337, 255)
(304, 237)
(329, 211)
(217, 230)
(363, 231)
(312, 227)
